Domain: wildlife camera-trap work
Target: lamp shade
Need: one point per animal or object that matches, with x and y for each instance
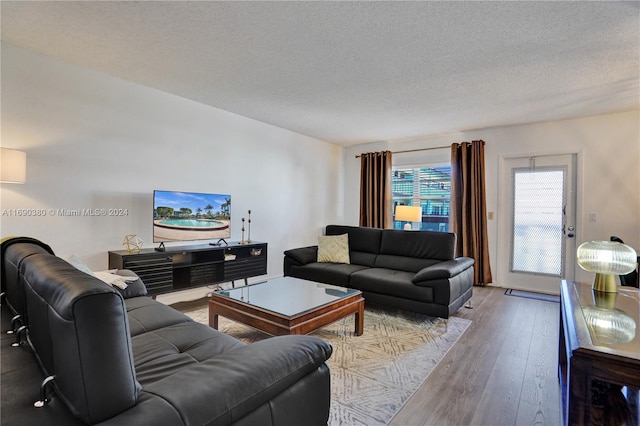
(13, 166)
(408, 213)
(606, 257)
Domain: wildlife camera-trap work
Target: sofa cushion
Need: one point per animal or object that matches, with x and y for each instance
(414, 250)
(333, 248)
(363, 258)
(160, 353)
(360, 239)
(328, 273)
(390, 282)
(145, 314)
(421, 244)
(224, 389)
(401, 263)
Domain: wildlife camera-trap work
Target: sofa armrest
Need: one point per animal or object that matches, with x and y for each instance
(303, 255)
(447, 269)
(223, 389)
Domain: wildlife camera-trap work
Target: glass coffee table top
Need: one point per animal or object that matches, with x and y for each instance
(287, 295)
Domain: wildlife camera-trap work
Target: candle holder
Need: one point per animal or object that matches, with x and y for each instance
(242, 241)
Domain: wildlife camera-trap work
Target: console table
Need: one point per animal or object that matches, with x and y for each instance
(179, 268)
(599, 340)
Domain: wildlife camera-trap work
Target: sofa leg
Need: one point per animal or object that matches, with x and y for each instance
(43, 392)
(468, 305)
(14, 320)
(19, 331)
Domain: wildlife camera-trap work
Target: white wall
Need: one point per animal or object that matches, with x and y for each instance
(93, 141)
(608, 148)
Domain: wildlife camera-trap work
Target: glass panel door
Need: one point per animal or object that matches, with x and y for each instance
(536, 228)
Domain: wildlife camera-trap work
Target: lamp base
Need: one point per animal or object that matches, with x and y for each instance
(605, 283)
(407, 227)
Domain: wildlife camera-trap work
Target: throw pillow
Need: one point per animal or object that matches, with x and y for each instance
(333, 248)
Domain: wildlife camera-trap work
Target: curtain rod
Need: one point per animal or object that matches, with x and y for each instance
(416, 150)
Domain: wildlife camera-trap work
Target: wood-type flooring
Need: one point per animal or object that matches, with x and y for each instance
(502, 371)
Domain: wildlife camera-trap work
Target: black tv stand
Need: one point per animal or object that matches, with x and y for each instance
(161, 247)
(180, 267)
(219, 243)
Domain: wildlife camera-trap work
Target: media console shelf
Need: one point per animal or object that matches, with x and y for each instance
(183, 267)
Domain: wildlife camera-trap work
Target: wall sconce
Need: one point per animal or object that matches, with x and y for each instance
(607, 259)
(408, 214)
(13, 166)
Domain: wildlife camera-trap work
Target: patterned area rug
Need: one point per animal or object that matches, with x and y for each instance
(373, 375)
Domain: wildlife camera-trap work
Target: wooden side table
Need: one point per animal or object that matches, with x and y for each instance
(599, 340)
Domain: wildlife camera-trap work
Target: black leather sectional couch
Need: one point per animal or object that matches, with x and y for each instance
(121, 358)
(411, 270)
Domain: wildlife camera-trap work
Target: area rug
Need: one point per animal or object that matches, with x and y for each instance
(373, 375)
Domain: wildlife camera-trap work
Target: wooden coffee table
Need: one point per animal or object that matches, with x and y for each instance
(287, 306)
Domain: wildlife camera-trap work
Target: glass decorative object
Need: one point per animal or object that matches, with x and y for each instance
(607, 259)
(607, 324)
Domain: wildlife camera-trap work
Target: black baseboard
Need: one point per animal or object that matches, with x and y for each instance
(532, 295)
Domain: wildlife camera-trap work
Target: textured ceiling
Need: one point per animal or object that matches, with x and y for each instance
(353, 72)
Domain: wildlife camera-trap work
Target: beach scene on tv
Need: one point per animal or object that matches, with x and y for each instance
(188, 216)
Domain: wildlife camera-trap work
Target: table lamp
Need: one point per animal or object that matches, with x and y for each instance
(607, 259)
(408, 214)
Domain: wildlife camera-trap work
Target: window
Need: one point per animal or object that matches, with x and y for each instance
(538, 219)
(426, 186)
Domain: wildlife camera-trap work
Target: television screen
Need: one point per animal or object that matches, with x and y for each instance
(189, 216)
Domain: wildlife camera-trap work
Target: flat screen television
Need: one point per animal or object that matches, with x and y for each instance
(190, 216)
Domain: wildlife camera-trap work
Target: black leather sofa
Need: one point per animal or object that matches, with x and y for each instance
(411, 270)
(121, 358)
